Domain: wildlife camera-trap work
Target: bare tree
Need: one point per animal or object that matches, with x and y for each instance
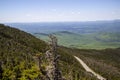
(53, 69)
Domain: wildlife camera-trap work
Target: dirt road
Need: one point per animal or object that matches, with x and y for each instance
(88, 69)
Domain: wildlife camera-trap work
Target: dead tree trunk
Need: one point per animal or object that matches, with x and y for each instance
(54, 73)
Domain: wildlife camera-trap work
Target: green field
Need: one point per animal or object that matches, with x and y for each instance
(85, 41)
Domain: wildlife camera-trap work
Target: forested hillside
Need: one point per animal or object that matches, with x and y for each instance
(19, 53)
(17, 49)
(105, 62)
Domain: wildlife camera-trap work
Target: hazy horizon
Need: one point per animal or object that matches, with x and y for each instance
(63, 21)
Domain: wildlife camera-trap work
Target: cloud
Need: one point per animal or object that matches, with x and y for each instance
(28, 15)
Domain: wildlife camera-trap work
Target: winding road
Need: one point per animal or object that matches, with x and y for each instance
(88, 69)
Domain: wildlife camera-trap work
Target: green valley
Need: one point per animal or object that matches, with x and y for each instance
(85, 41)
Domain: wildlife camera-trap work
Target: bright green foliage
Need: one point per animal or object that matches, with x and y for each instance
(21, 72)
(30, 73)
(8, 74)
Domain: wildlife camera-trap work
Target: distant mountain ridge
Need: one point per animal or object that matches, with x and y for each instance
(79, 27)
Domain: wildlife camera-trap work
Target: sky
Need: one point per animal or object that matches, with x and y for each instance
(58, 10)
